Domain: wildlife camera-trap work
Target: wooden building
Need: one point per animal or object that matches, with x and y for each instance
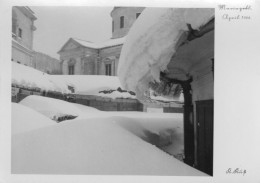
(197, 59)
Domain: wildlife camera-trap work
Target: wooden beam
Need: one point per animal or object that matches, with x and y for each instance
(193, 34)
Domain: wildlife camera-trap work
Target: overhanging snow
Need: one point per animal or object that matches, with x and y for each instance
(151, 43)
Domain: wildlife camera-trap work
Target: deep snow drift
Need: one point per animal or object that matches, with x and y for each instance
(97, 142)
(91, 147)
(151, 42)
(144, 125)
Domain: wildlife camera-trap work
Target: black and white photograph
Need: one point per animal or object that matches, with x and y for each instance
(102, 107)
(130, 90)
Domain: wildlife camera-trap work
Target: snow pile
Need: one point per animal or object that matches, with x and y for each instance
(104, 44)
(29, 77)
(151, 42)
(144, 124)
(91, 147)
(25, 119)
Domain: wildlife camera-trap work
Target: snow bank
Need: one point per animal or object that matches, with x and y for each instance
(31, 78)
(165, 130)
(25, 119)
(96, 142)
(97, 146)
(151, 42)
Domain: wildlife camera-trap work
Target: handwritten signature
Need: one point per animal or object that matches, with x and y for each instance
(225, 7)
(235, 13)
(236, 171)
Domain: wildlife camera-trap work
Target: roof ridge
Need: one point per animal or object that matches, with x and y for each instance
(100, 45)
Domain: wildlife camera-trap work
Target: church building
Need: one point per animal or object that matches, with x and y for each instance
(82, 57)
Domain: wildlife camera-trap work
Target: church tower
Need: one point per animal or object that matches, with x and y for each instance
(122, 20)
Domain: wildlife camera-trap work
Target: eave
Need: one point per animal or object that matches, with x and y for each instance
(194, 47)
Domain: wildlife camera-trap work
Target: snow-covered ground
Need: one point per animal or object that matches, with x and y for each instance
(95, 142)
(152, 41)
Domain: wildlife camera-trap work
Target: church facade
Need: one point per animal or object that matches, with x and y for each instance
(82, 57)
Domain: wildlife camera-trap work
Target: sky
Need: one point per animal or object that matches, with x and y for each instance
(55, 25)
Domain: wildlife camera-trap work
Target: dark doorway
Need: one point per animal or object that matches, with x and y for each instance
(204, 125)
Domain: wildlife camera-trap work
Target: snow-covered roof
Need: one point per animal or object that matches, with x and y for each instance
(100, 45)
(151, 43)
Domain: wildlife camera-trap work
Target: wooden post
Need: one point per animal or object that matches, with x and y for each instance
(188, 124)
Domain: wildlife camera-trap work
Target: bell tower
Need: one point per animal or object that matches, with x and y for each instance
(122, 20)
